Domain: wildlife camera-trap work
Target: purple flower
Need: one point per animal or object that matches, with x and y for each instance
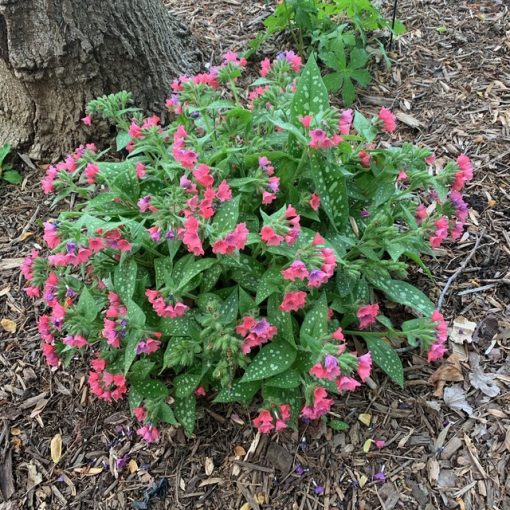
(299, 470)
(170, 234)
(70, 247)
(318, 489)
(261, 327)
(330, 362)
(364, 213)
(379, 477)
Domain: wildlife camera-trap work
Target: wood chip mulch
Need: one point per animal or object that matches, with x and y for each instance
(447, 438)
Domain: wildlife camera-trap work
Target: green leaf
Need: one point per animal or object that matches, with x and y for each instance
(225, 218)
(185, 412)
(267, 285)
(348, 91)
(331, 187)
(287, 379)
(272, 359)
(281, 320)
(246, 302)
(163, 271)
(126, 183)
(124, 279)
(338, 425)
(311, 95)
(315, 324)
(358, 58)
(386, 358)
(230, 308)
(122, 139)
(192, 268)
(11, 176)
(239, 392)
(364, 127)
(4, 151)
(130, 350)
(165, 414)
(136, 316)
(142, 368)
(179, 327)
(87, 305)
(149, 388)
(405, 294)
(186, 384)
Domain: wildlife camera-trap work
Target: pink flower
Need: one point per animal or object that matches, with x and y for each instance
(364, 366)
(330, 370)
(265, 67)
(364, 159)
(224, 193)
(149, 433)
(297, 270)
(421, 213)
(321, 405)
(235, 240)
(293, 301)
(51, 235)
(200, 391)
(135, 131)
(256, 333)
(91, 171)
(441, 232)
(202, 176)
(140, 170)
(438, 349)
(345, 383)
(105, 385)
(402, 176)
(189, 236)
(338, 335)
(367, 315)
(388, 119)
(270, 237)
(264, 421)
(380, 443)
(315, 202)
(465, 173)
(87, 120)
(345, 122)
(33, 292)
(140, 413)
(306, 120)
(75, 341)
(148, 346)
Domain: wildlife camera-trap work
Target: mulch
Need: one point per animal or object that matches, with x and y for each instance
(447, 440)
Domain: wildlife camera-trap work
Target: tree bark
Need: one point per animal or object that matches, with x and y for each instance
(56, 55)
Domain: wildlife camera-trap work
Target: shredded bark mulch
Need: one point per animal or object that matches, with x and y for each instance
(447, 434)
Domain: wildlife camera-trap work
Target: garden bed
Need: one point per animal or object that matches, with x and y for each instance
(450, 87)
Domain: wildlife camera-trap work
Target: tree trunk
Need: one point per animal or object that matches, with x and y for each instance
(56, 55)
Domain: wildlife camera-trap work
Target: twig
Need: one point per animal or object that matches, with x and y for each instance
(461, 268)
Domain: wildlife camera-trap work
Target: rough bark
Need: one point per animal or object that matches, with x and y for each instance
(56, 55)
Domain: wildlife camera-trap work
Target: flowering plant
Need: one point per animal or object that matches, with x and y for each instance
(241, 248)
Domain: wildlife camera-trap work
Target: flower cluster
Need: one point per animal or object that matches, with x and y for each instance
(242, 249)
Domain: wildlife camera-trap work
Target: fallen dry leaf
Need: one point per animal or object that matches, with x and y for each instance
(365, 419)
(455, 398)
(88, 471)
(366, 445)
(462, 330)
(132, 466)
(56, 448)
(34, 478)
(239, 451)
(433, 470)
(209, 466)
(449, 371)
(246, 506)
(480, 380)
(8, 325)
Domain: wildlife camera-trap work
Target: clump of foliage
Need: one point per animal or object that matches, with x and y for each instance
(339, 32)
(7, 173)
(238, 251)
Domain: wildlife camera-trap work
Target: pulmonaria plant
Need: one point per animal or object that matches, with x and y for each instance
(238, 250)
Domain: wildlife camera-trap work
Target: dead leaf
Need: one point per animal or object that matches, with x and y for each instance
(246, 506)
(88, 471)
(362, 481)
(455, 398)
(239, 451)
(8, 325)
(433, 470)
(365, 419)
(25, 235)
(480, 380)
(449, 371)
(408, 119)
(462, 330)
(56, 448)
(6, 264)
(366, 445)
(209, 466)
(132, 466)
(34, 478)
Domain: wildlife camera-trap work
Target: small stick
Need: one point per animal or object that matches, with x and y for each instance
(461, 268)
(393, 23)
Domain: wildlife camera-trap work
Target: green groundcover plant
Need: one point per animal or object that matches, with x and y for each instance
(237, 252)
(343, 34)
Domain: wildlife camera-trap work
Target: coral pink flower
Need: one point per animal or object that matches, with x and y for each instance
(265, 67)
(264, 421)
(306, 120)
(200, 391)
(388, 119)
(345, 383)
(270, 237)
(465, 173)
(421, 213)
(338, 335)
(441, 232)
(87, 120)
(345, 122)
(297, 270)
(321, 405)
(438, 349)
(235, 240)
(315, 202)
(105, 385)
(367, 315)
(91, 171)
(256, 333)
(149, 433)
(224, 193)
(75, 341)
(330, 370)
(51, 235)
(140, 170)
(364, 159)
(402, 176)
(293, 301)
(364, 366)
(202, 176)
(140, 413)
